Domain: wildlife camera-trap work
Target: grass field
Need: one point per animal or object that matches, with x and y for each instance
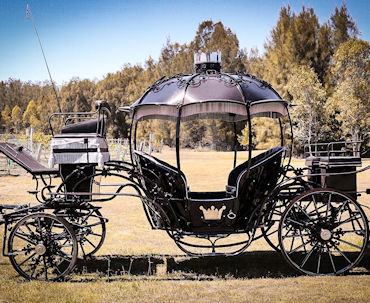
(137, 264)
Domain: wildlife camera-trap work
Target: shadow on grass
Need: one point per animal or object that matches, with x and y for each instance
(255, 264)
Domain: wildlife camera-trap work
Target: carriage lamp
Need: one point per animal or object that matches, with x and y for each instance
(207, 61)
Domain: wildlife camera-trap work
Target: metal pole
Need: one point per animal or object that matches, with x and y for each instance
(43, 54)
(235, 144)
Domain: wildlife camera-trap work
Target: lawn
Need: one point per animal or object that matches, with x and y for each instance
(137, 264)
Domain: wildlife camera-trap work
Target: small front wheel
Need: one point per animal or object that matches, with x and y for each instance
(42, 246)
(323, 232)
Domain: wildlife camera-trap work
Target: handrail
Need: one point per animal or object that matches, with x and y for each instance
(332, 148)
(80, 115)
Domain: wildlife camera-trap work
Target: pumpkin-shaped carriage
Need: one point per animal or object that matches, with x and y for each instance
(310, 214)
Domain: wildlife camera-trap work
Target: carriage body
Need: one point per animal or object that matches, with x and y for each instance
(264, 196)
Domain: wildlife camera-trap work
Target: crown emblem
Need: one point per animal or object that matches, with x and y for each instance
(212, 213)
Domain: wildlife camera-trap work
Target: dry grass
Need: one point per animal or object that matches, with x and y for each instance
(159, 272)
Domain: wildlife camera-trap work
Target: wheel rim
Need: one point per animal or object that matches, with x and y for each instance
(89, 227)
(323, 232)
(43, 247)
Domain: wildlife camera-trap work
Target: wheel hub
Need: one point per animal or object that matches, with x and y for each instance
(325, 234)
(40, 249)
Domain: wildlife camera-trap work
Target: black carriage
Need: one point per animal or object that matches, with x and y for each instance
(310, 214)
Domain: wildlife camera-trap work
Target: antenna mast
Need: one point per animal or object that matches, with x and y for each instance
(29, 14)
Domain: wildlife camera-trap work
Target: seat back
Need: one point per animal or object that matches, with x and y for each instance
(158, 173)
(85, 127)
(264, 172)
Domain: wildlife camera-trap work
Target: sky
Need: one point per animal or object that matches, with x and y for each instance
(90, 38)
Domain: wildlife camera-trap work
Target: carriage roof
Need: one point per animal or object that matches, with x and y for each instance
(210, 94)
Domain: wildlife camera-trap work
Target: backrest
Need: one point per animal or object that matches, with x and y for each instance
(85, 127)
(264, 173)
(161, 174)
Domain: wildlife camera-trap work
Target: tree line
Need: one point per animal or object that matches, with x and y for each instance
(324, 68)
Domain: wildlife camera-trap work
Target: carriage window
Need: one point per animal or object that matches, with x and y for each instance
(158, 137)
(265, 133)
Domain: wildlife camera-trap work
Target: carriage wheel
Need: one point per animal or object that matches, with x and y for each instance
(323, 232)
(280, 202)
(270, 231)
(42, 247)
(89, 227)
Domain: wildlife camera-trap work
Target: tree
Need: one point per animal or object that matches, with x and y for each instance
(308, 93)
(77, 95)
(17, 117)
(211, 37)
(6, 117)
(350, 102)
(343, 26)
(31, 116)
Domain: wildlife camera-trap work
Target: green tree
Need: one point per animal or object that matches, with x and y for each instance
(17, 117)
(343, 26)
(31, 116)
(309, 95)
(6, 117)
(350, 102)
(77, 95)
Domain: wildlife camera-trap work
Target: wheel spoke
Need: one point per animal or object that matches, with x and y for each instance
(328, 205)
(331, 258)
(25, 239)
(318, 263)
(29, 229)
(64, 256)
(298, 247)
(25, 260)
(351, 244)
(90, 242)
(308, 255)
(342, 254)
(300, 234)
(295, 222)
(45, 268)
(290, 228)
(93, 224)
(99, 235)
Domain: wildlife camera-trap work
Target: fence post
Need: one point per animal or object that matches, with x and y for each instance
(31, 140)
(151, 139)
(39, 150)
(119, 150)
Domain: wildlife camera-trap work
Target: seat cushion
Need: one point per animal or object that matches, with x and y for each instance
(86, 127)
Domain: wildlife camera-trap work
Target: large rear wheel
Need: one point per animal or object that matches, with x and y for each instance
(323, 232)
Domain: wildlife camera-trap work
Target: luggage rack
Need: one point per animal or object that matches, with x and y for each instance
(334, 153)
